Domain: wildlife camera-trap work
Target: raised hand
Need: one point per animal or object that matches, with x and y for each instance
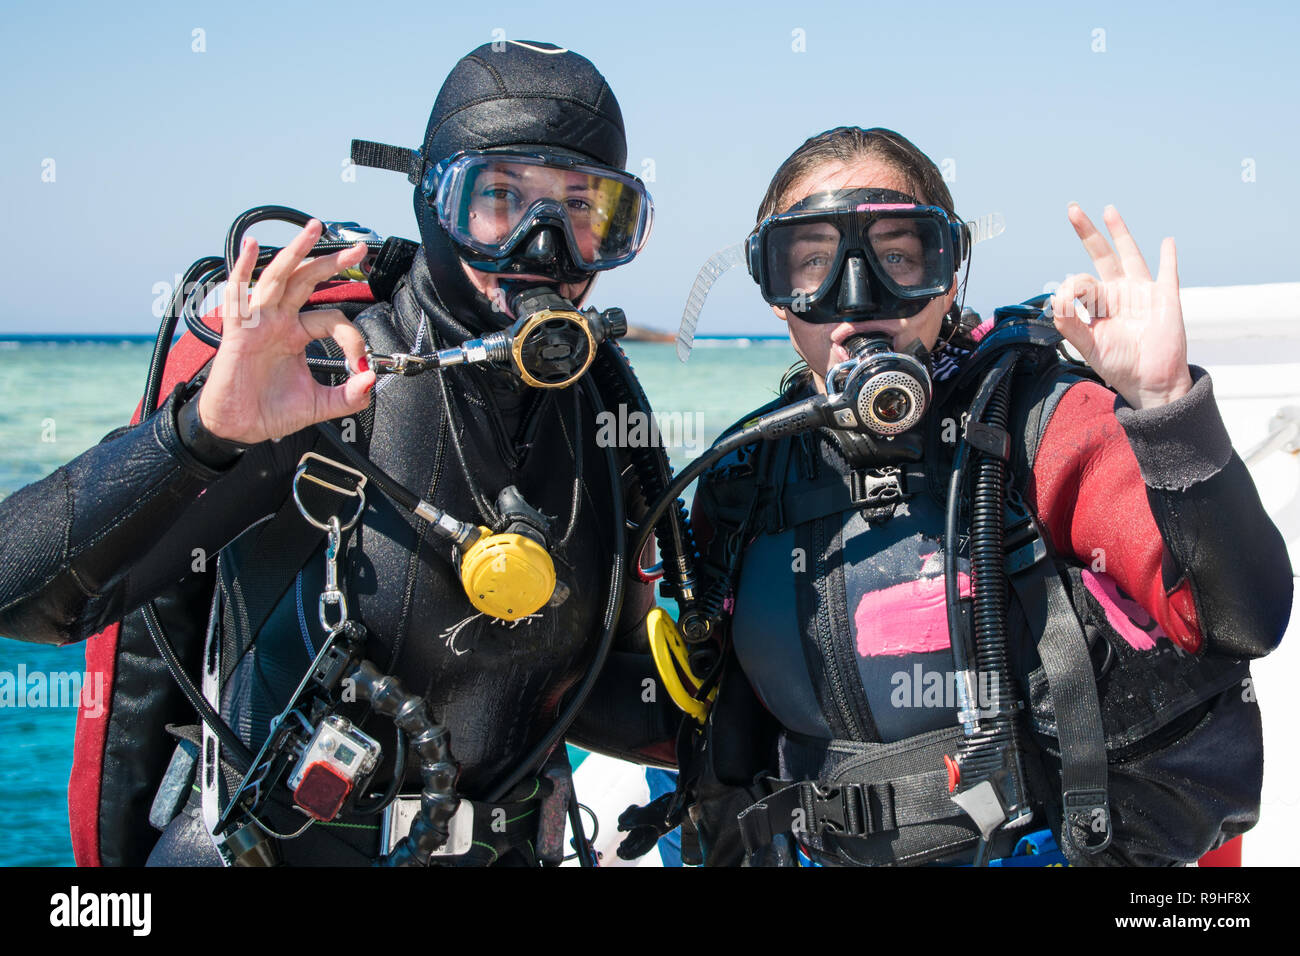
(1134, 336)
(260, 385)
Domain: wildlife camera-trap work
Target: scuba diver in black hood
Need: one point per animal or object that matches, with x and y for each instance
(974, 606)
(402, 630)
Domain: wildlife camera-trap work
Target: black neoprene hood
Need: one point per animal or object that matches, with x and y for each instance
(509, 94)
(512, 93)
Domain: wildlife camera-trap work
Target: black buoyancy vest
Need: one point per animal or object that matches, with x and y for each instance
(497, 686)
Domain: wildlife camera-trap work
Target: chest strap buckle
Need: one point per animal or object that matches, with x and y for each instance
(877, 486)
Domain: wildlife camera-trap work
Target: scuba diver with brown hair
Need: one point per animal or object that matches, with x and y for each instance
(977, 602)
(403, 627)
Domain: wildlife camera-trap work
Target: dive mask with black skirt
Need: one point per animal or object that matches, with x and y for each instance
(847, 253)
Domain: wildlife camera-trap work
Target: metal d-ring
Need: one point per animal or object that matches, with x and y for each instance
(359, 491)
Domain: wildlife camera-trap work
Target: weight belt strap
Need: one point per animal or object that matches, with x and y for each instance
(849, 809)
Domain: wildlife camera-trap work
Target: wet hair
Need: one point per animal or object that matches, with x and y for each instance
(848, 145)
(851, 144)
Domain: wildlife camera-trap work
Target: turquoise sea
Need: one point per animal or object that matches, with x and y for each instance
(59, 396)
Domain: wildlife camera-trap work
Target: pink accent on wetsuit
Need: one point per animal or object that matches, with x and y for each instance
(908, 618)
(1125, 615)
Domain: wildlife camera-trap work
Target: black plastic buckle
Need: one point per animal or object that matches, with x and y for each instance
(1022, 540)
(339, 659)
(1087, 819)
(880, 489)
(841, 810)
(989, 439)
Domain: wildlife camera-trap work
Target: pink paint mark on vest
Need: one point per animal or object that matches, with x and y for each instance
(908, 618)
(1125, 615)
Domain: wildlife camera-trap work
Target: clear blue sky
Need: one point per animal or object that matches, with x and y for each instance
(156, 147)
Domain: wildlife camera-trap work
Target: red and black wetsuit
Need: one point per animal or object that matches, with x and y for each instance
(840, 624)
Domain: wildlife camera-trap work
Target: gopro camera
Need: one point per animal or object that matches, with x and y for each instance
(338, 760)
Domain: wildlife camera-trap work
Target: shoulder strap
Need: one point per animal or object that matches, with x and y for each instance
(1033, 409)
(1063, 649)
(285, 543)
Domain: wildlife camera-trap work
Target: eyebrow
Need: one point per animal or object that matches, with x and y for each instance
(895, 233)
(517, 176)
(828, 236)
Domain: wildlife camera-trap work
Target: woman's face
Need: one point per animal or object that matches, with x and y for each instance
(501, 195)
(821, 346)
(502, 192)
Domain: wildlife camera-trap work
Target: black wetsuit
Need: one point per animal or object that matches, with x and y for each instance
(124, 522)
(120, 523)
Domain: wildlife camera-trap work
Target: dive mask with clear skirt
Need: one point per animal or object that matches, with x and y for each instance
(539, 212)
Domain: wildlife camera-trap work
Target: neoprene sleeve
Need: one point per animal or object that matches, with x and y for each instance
(102, 534)
(1160, 496)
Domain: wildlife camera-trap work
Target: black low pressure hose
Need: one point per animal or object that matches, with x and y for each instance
(167, 331)
(724, 447)
(992, 745)
(962, 650)
(249, 217)
(204, 275)
(213, 277)
(237, 754)
(676, 543)
(613, 608)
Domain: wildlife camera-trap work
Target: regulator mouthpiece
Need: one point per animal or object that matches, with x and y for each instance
(879, 390)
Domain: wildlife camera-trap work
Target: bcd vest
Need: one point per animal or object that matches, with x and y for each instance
(840, 629)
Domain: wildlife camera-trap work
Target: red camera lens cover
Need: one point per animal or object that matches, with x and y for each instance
(322, 791)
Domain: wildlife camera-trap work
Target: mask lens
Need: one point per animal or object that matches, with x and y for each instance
(908, 253)
(800, 258)
(490, 202)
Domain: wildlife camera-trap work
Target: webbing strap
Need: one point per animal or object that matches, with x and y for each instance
(1063, 650)
(849, 809)
(809, 500)
(398, 159)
